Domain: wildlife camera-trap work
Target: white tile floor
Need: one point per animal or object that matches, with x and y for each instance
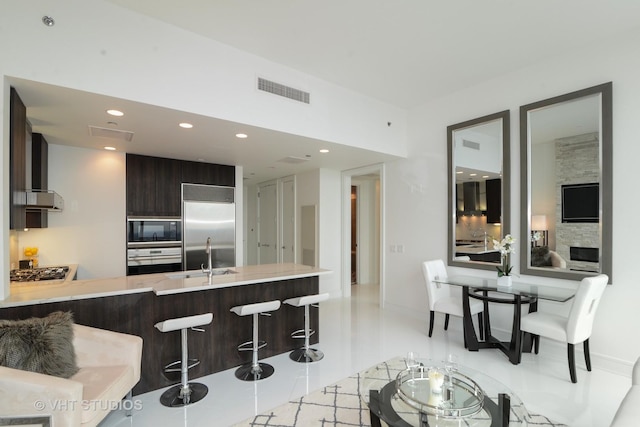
(356, 334)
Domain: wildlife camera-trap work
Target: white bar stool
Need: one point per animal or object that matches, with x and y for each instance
(306, 354)
(255, 371)
(185, 392)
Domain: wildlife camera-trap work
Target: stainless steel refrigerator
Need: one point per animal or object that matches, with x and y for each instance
(208, 211)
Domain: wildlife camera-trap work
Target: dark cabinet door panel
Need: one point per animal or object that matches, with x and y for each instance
(141, 185)
(208, 173)
(154, 184)
(18, 131)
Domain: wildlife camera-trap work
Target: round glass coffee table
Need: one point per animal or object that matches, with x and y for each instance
(428, 395)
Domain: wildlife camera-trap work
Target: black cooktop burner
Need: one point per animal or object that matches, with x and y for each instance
(38, 273)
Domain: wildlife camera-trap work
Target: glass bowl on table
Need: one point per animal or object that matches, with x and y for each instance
(400, 397)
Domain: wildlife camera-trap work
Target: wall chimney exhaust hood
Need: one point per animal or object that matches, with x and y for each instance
(43, 200)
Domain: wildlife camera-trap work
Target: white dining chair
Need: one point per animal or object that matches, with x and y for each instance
(440, 298)
(574, 328)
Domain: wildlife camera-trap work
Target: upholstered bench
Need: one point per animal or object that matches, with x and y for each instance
(109, 367)
(628, 414)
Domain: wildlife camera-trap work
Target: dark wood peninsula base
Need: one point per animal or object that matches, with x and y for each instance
(216, 347)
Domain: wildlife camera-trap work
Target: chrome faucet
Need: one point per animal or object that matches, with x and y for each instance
(209, 252)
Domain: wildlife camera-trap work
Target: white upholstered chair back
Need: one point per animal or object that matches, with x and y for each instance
(585, 304)
(433, 270)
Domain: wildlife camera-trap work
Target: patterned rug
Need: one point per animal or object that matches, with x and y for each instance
(340, 404)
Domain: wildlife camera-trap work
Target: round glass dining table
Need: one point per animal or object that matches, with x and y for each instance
(431, 395)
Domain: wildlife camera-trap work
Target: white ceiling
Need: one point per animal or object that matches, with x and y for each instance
(403, 52)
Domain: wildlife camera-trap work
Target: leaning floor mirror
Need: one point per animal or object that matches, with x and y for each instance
(478, 205)
(566, 185)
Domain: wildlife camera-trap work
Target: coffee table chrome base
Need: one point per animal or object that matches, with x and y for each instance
(249, 372)
(178, 395)
(306, 355)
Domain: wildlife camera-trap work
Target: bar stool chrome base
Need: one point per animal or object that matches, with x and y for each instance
(306, 355)
(176, 397)
(249, 372)
(255, 370)
(186, 392)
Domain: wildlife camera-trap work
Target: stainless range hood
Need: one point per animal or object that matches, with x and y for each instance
(43, 200)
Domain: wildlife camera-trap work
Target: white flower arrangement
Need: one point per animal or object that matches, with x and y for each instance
(506, 248)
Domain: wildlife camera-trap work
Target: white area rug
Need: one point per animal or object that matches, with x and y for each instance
(340, 405)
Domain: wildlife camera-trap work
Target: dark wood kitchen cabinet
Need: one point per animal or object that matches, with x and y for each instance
(494, 201)
(39, 178)
(154, 184)
(209, 174)
(19, 132)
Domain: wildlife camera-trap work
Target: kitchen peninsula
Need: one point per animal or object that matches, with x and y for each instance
(133, 304)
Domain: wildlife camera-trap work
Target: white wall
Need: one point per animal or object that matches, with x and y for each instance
(251, 224)
(417, 219)
(329, 231)
(307, 194)
(91, 230)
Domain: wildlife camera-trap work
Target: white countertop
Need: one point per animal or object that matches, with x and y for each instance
(474, 249)
(160, 284)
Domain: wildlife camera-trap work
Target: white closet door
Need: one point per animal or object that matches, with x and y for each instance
(288, 221)
(267, 224)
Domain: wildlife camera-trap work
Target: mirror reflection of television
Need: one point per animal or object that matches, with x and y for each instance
(581, 203)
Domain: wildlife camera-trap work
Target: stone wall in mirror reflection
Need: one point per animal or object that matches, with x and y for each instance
(565, 159)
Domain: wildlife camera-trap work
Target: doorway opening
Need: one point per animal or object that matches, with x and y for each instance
(354, 234)
(363, 201)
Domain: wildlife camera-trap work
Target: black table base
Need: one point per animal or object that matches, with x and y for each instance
(380, 409)
(513, 348)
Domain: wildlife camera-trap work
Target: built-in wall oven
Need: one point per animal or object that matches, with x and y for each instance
(154, 245)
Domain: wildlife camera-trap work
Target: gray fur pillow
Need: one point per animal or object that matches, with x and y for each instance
(43, 345)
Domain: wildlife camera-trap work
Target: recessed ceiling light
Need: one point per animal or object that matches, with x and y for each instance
(324, 150)
(485, 176)
(185, 125)
(459, 172)
(241, 135)
(116, 113)
(473, 174)
(110, 148)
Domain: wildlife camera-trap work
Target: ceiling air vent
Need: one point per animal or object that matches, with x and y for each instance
(123, 135)
(282, 90)
(471, 144)
(293, 160)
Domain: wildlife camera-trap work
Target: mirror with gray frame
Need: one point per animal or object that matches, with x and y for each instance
(566, 183)
(478, 205)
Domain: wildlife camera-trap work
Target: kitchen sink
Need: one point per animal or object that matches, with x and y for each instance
(198, 273)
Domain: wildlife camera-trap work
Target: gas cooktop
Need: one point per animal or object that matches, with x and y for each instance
(38, 274)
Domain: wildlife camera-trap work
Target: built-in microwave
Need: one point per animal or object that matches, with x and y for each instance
(144, 232)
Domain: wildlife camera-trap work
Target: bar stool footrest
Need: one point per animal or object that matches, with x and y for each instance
(190, 364)
(248, 346)
(300, 333)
